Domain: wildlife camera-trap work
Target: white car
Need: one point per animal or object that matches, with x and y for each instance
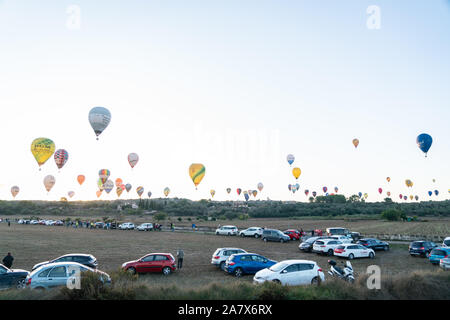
(326, 246)
(343, 239)
(446, 242)
(251, 232)
(445, 263)
(49, 222)
(227, 230)
(34, 222)
(222, 254)
(126, 226)
(352, 251)
(145, 227)
(291, 272)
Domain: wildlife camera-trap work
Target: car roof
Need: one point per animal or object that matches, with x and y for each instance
(230, 249)
(442, 248)
(77, 254)
(292, 261)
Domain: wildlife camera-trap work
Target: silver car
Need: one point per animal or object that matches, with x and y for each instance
(60, 274)
(251, 232)
(145, 227)
(445, 263)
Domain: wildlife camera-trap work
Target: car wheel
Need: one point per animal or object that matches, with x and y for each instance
(277, 281)
(315, 281)
(166, 271)
(222, 265)
(242, 235)
(238, 272)
(256, 235)
(330, 252)
(351, 256)
(217, 233)
(386, 248)
(371, 255)
(131, 270)
(281, 240)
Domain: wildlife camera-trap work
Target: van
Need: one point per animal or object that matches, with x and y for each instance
(274, 235)
(337, 231)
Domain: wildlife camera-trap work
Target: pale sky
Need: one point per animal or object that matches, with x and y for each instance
(235, 85)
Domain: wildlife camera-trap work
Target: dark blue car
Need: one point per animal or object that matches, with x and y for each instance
(245, 263)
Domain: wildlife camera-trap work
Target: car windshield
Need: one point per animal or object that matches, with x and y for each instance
(417, 244)
(438, 252)
(447, 242)
(278, 266)
(311, 240)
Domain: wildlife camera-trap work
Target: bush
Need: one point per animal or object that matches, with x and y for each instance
(393, 215)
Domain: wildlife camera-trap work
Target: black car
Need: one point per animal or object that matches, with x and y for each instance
(306, 246)
(12, 278)
(421, 248)
(85, 259)
(374, 244)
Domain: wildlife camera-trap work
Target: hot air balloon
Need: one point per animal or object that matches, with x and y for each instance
(246, 196)
(380, 190)
(430, 193)
(213, 192)
(254, 193)
(306, 192)
(61, 156)
(100, 184)
(81, 179)
(388, 193)
(118, 182)
(71, 194)
(324, 189)
(149, 194)
(388, 179)
(314, 194)
(289, 187)
(140, 191)
(436, 192)
(14, 191)
(296, 172)
(128, 187)
(104, 175)
(228, 190)
(119, 191)
(98, 193)
(360, 194)
(336, 189)
(355, 142)
(434, 180)
(411, 197)
(416, 197)
(42, 149)
(49, 182)
(99, 118)
(239, 190)
(408, 183)
(133, 159)
(260, 186)
(290, 159)
(366, 195)
(63, 199)
(297, 186)
(401, 196)
(166, 191)
(197, 172)
(424, 142)
(108, 185)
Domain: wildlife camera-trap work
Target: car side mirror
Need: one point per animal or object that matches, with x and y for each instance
(284, 271)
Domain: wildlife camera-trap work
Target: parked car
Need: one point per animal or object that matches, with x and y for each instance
(99, 225)
(222, 254)
(439, 253)
(274, 235)
(154, 262)
(126, 226)
(446, 242)
(343, 239)
(57, 274)
(307, 245)
(84, 259)
(374, 244)
(34, 222)
(245, 263)
(49, 222)
(58, 223)
(337, 231)
(326, 246)
(445, 263)
(421, 248)
(251, 232)
(351, 251)
(227, 230)
(12, 278)
(293, 234)
(145, 227)
(291, 272)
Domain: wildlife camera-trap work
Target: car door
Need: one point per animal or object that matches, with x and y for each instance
(3, 277)
(146, 264)
(259, 263)
(305, 273)
(246, 263)
(57, 277)
(290, 275)
(159, 263)
(362, 251)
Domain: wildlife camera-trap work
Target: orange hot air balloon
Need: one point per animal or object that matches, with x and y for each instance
(81, 179)
(119, 182)
(98, 193)
(355, 142)
(388, 179)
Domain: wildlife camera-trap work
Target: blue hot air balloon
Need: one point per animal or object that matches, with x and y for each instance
(436, 192)
(246, 196)
(424, 142)
(360, 194)
(430, 193)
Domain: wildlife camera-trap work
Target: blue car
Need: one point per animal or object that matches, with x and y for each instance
(438, 253)
(247, 263)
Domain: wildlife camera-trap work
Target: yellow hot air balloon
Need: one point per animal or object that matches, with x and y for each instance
(166, 191)
(355, 142)
(42, 149)
(408, 183)
(411, 197)
(197, 172)
(213, 192)
(296, 172)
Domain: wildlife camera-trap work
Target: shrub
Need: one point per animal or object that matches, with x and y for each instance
(393, 215)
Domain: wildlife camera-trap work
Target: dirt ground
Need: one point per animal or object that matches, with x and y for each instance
(30, 244)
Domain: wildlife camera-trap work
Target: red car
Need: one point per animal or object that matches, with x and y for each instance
(153, 262)
(293, 234)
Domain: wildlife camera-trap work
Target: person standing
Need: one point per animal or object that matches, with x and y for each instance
(180, 257)
(8, 260)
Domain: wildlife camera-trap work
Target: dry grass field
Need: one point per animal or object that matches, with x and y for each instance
(31, 244)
